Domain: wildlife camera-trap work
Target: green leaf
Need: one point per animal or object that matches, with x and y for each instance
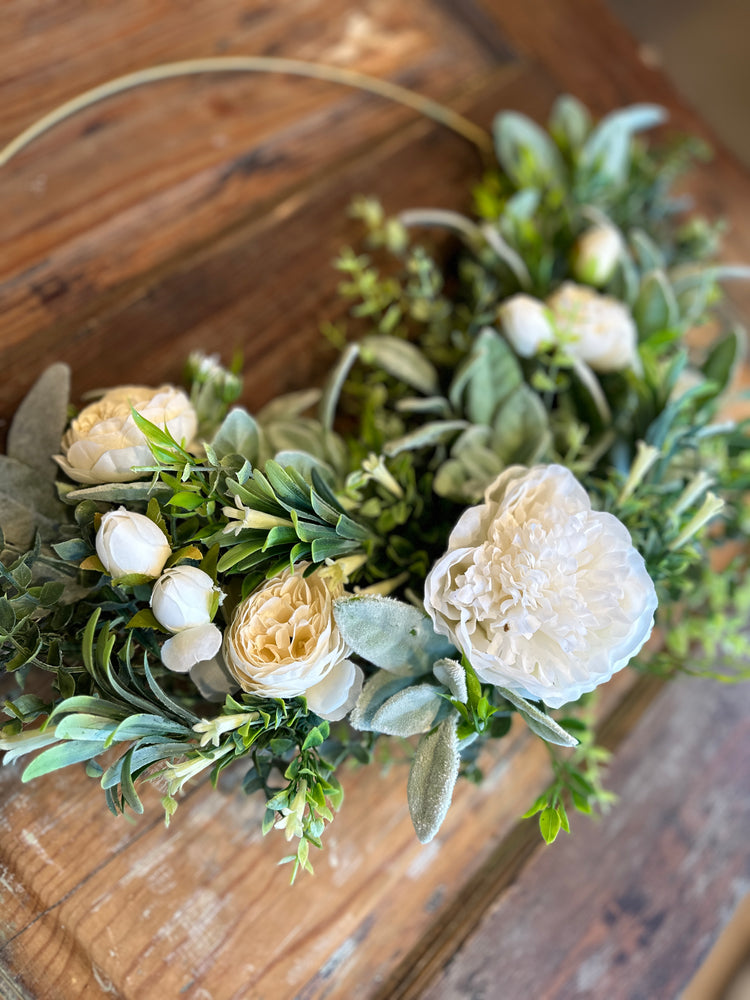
(316, 736)
(453, 676)
(376, 691)
(719, 364)
(549, 824)
(145, 618)
(403, 360)
(125, 493)
(607, 149)
(390, 634)
(570, 122)
(429, 434)
(335, 383)
(409, 712)
(656, 306)
(238, 435)
(432, 778)
(61, 756)
(186, 500)
(526, 152)
(539, 722)
(520, 429)
(486, 378)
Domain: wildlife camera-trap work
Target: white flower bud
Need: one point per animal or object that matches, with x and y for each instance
(596, 254)
(104, 444)
(184, 597)
(526, 324)
(129, 543)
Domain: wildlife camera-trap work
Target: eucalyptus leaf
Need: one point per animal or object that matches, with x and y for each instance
(390, 634)
(720, 361)
(39, 422)
(291, 404)
(402, 360)
(539, 722)
(432, 778)
(409, 712)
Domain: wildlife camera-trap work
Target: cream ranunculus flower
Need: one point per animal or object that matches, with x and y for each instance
(184, 600)
(594, 328)
(543, 595)
(103, 443)
(283, 642)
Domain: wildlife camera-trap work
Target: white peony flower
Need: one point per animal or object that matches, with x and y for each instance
(526, 324)
(543, 595)
(594, 328)
(595, 255)
(103, 444)
(129, 543)
(283, 642)
(184, 600)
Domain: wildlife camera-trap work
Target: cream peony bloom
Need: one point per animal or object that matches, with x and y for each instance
(543, 595)
(283, 642)
(129, 543)
(103, 443)
(594, 328)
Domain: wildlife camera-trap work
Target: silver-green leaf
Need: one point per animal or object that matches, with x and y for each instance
(390, 634)
(539, 722)
(409, 712)
(432, 778)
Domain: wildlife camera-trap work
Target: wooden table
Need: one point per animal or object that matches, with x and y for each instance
(204, 213)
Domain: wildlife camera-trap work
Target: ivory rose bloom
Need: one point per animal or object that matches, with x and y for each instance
(283, 642)
(543, 595)
(129, 543)
(184, 600)
(103, 443)
(594, 328)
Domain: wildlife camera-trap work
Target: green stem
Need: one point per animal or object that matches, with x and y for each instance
(251, 64)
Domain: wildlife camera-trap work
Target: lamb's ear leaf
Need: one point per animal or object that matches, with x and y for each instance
(432, 778)
(39, 422)
(409, 712)
(376, 691)
(390, 634)
(539, 722)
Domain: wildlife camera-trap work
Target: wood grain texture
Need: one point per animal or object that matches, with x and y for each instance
(627, 909)
(208, 218)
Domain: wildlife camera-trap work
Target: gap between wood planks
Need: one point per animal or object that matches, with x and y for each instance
(455, 924)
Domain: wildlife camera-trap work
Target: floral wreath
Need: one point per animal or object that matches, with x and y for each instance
(506, 478)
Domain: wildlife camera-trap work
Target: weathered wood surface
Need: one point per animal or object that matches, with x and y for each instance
(627, 908)
(206, 215)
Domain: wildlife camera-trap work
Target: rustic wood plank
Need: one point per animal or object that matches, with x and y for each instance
(133, 184)
(144, 912)
(630, 907)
